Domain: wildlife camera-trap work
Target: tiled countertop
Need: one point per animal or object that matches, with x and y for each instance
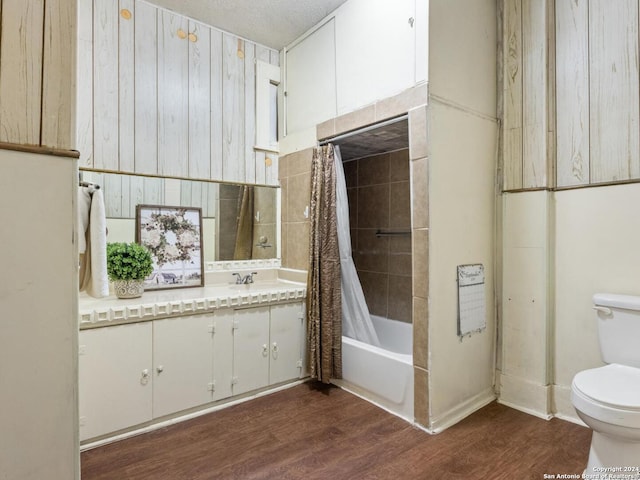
(101, 312)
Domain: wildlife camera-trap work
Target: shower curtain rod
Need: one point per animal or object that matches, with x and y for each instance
(368, 128)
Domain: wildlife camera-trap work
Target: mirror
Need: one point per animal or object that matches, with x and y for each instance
(239, 222)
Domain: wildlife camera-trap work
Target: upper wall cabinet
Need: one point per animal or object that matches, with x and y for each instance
(311, 79)
(366, 51)
(376, 51)
(161, 94)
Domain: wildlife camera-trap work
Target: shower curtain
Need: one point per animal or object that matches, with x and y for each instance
(356, 321)
(324, 313)
(244, 236)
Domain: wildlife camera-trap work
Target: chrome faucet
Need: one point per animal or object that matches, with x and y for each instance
(247, 279)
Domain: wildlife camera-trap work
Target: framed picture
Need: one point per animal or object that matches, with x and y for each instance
(173, 235)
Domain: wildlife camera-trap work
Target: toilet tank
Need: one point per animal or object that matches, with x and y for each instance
(618, 328)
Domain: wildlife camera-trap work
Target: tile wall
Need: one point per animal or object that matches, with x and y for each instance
(379, 200)
(295, 180)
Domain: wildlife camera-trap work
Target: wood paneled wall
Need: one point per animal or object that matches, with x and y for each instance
(526, 104)
(571, 83)
(162, 94)
(123, 193)
(597, 45)
(37, 72)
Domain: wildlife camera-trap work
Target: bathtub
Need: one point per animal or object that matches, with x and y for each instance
(382, 375)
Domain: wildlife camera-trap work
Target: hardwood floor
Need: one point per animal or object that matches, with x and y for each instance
(308, 432)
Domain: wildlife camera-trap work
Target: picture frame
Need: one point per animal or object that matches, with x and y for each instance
(173, 235)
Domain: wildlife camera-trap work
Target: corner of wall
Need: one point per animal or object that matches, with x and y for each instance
(527, 322)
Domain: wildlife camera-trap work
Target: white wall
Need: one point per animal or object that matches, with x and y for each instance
(462, 167)
(560, 248)
(38, 318)
(462, 53)
(461, 231)
(526, 301)
(597, 250)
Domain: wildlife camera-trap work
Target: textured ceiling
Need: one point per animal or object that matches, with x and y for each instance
(374, 140)
(274, 23)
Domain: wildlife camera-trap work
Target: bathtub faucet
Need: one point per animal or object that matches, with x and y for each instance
(247, 279)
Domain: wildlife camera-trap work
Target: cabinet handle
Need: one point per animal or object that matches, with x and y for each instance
(193, 37)
(144, 379)
(265, 350)
(274, 348)
(160, 369)
(182, 34)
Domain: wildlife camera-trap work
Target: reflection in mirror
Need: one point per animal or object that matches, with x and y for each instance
(239, 222)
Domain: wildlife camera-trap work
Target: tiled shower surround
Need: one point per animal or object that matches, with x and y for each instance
(379, 201)
(294, 175)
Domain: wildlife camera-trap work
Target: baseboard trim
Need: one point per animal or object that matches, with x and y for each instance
(526, 396)
(529, 411)
(461, 411)
(188, 416)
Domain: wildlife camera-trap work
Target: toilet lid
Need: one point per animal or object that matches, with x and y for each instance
(617, 386)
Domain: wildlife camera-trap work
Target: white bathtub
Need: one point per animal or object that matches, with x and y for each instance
(382, 375)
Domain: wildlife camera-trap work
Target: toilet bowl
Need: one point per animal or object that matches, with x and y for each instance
(607, 398)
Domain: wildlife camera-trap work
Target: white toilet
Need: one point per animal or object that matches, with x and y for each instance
(607, 399)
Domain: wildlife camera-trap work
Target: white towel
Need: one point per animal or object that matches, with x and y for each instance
(99, 285)
(92, 242)
(84, 205)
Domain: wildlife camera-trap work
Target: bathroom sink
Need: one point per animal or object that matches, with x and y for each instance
(258, 286)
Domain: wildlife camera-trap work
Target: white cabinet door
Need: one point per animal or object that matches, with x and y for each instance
(311, 80)
(251, 349)
(115, 378)
(286, 342)
(375, 51)
(182, 363)
(223, 353)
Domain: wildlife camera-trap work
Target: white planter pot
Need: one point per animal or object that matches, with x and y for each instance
(128, 288)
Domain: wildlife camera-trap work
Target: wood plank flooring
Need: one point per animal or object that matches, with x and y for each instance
(311, 432)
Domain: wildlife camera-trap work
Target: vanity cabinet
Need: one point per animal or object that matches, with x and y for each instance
(134, 373)
(250, 349)
(182, 363)
(287, 341)
(115, 378)
(268, 346)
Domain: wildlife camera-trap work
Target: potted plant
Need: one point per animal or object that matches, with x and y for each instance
(128, 264)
